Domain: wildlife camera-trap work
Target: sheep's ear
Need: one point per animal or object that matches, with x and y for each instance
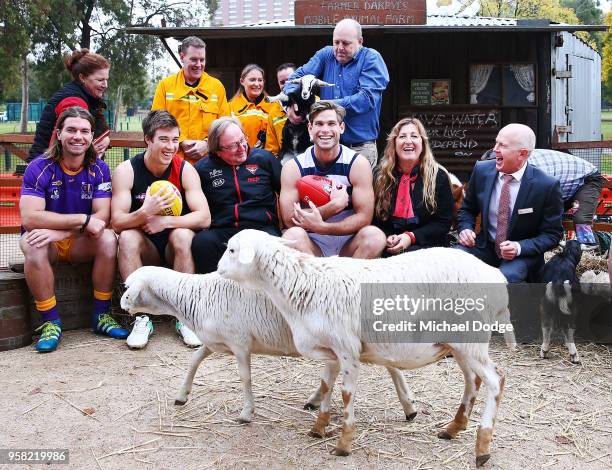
(247, 253)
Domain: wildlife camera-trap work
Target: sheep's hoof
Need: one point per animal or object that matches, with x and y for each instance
(242, 420)
(411, 416)
(310, 406)
(445, 435)
(316, 434)
(179, 402)
(482, 459)
(544, 354)
(575, 359)
(340, 452)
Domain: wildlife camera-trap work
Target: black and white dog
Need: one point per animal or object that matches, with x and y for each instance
(559, 306)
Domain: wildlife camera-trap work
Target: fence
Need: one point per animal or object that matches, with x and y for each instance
(14, 153)
(127, 144)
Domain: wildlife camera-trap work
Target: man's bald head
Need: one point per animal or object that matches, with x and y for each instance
(513, 145)
(347, 40)
(522, 136)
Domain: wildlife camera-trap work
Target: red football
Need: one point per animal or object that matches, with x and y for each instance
(314, 188)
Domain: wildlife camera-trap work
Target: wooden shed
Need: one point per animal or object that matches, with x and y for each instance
(495, 71)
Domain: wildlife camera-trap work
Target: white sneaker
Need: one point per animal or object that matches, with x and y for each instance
(189, 337)
(139, 337)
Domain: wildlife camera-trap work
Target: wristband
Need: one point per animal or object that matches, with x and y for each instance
(87, 219)
(412, 237)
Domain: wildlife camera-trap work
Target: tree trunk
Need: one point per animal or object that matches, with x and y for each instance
(118, 100)
(23, 124)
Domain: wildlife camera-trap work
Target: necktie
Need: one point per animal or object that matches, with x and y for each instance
(503, 213)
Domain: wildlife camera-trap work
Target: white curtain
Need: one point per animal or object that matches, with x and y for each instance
(525, 77)
(479, 76)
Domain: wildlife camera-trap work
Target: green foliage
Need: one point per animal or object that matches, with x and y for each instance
(552, 10)
(606, 62)
(48, 29)
(588, 12)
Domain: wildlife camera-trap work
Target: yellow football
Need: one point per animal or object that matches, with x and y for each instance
(166, 187)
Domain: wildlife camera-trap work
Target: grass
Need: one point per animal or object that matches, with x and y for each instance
(12, 127)
(606, 125)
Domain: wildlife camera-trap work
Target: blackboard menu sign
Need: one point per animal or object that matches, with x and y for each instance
(458, 135)
(430, 92)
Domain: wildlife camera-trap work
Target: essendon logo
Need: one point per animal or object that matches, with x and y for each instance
(251, 168)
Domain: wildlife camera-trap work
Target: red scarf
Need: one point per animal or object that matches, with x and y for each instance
(403, 202)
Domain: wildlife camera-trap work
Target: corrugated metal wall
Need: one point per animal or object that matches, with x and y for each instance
(576, 100)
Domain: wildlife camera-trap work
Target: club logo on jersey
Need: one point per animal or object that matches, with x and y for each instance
(86, 191)
(55, 193)
(218, 182)
(140, 197)
(251, 168)
(106, 187)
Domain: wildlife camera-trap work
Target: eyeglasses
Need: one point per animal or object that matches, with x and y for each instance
(235, 146)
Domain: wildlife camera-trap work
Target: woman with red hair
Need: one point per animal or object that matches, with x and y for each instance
(90, 80)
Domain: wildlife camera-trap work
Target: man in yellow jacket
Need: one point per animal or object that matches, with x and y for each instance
(193, 97)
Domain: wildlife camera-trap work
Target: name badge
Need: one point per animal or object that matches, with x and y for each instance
(526, 210)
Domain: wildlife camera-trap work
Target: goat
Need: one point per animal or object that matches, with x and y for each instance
(227, 319)
(559, 307)
(319, 299)
(307, 84)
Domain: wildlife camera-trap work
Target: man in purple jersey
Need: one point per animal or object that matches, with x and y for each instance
(65, 209)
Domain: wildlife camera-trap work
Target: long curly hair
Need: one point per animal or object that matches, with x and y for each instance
(388, 172)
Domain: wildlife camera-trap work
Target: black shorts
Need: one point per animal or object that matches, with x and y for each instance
(160, 240)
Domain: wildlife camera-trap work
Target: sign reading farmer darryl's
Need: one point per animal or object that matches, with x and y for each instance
(319, 12)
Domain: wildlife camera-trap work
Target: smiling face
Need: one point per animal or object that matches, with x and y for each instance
(325, 130)
(346, 42)
(96, 83)
(75, 136)
(194, 60)
(408, 147)
(510, 155)
(253, 83)
(233, 147)
(164, 144)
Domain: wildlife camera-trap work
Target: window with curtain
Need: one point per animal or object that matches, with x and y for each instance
(503, 84)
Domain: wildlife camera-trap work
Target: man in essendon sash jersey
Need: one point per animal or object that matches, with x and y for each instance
(145, 237)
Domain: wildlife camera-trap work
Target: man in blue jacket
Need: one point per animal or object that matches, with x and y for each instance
(521, 208)
(360, 77)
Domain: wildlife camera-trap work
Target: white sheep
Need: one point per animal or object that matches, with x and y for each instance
(228, 319)
(320, 300)
(594, 282)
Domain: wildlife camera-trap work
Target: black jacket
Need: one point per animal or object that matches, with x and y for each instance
(241, 196)
(429, 228)
(48, 118)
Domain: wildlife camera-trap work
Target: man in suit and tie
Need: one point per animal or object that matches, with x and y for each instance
(520, 207)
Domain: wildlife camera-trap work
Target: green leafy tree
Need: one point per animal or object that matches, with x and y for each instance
(552, 10)
(588, 12)
(606, 62)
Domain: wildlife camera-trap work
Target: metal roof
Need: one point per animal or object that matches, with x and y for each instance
(435, 24)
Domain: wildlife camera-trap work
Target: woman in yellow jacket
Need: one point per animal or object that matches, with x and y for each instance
(250, 106)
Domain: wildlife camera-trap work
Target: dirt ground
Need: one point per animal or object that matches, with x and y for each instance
(114, 409)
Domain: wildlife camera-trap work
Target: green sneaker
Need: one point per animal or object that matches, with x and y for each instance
(106, 325)
(49, 336)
